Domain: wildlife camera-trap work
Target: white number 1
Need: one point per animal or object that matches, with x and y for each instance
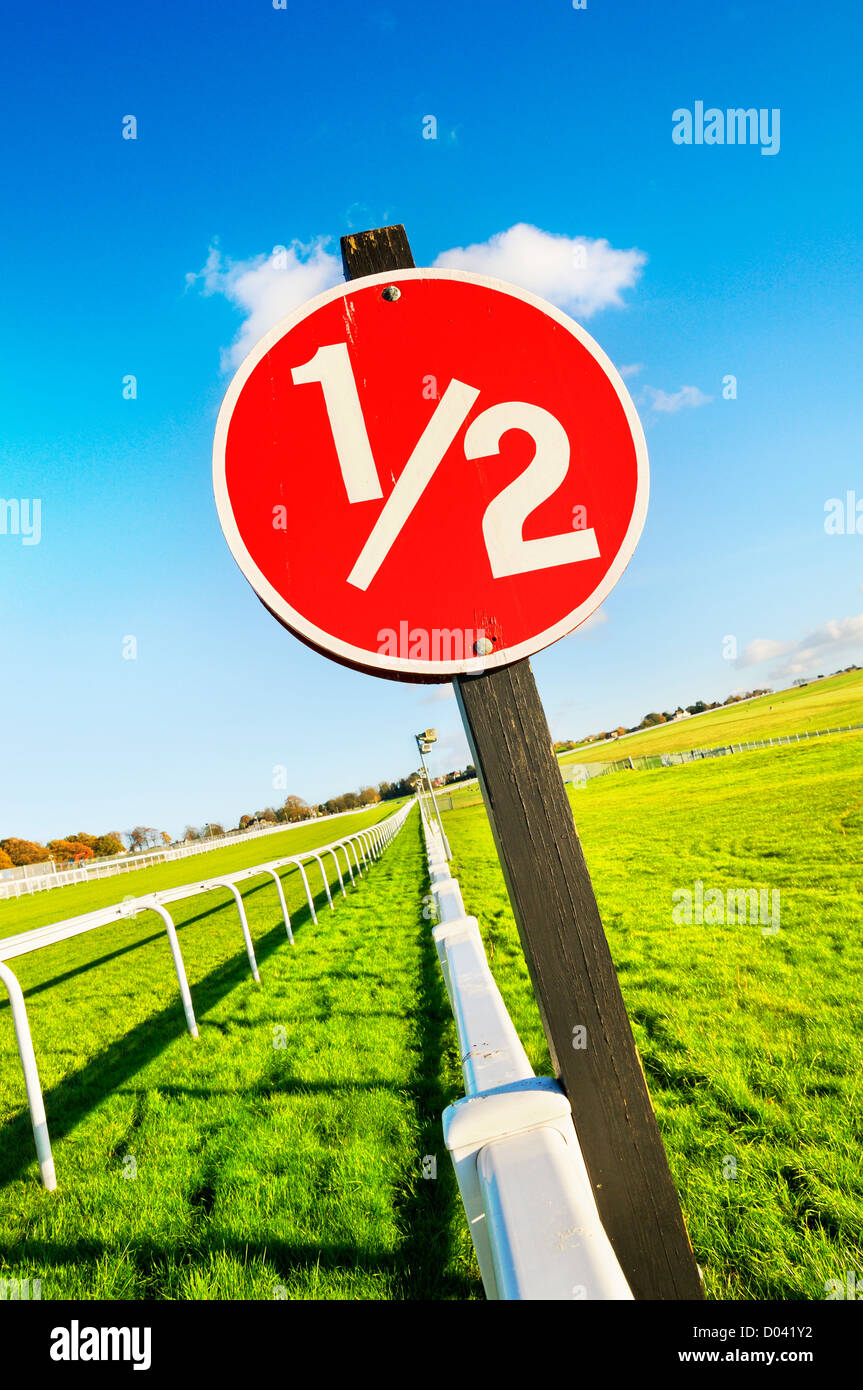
(331, 366)
(505, 515)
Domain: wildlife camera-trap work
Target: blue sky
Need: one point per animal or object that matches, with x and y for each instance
(259, 127)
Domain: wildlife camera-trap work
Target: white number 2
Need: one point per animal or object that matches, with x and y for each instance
(505, 515)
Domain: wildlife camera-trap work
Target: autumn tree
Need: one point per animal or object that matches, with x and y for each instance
(63, 850)
(25, 851)
(5, 861)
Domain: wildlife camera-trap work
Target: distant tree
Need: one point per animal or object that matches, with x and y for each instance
(698, 708)
(25, 851)
(650, 719)
(192, 833)
(63, 850)
(107, 844)
(166, 839)
(245, 822)
(295, 809)
(139, 837)
(403, 787)
(5, 861)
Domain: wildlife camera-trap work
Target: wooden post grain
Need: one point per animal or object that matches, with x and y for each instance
(574, 980)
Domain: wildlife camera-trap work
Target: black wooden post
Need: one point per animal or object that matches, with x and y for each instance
(576, 987)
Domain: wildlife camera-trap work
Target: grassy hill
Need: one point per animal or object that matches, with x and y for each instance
(752, 1044)
(835, 700)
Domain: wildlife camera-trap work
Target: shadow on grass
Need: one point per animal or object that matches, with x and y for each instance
(427, 1209)
(428, 1206)
(80, 1092)
(299, 915)
(158, 1264)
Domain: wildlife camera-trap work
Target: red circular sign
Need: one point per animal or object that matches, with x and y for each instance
(429, 473)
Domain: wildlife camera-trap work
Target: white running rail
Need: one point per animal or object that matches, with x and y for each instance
(526, 1192)
(46, 876)
(365, 845)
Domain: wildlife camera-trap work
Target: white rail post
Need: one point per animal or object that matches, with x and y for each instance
(180, 968)
(247, 935)
(344, 847)
(314, 855)
(309, 897)
(35, 1102)
(282, 903)
(328, 849)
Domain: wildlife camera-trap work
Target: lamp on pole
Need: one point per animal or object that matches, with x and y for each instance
(424, 742)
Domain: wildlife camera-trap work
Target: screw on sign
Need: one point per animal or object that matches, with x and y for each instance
(413, 409)
(464, 413)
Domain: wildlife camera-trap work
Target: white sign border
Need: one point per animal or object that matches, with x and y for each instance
(408, 667)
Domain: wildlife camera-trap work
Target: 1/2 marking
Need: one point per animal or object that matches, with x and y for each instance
(503, 522)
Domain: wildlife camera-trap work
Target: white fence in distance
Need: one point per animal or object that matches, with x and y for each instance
(647, 762)
(38, 878)
(365, 845)
(526, 1192)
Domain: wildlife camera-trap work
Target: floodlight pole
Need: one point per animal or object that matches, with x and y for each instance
(447, 849)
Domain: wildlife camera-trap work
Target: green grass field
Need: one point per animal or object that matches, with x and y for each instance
(828, 703)
(265, 1170)
(55, 904)
(280, 1155)
(752, 1045)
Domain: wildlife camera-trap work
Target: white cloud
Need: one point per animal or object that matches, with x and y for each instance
(578, 274)
(445, 691)
(267, 288)
(596, 619)
(631, 370)
(762, 649)
(817, 650)
(688, 397)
